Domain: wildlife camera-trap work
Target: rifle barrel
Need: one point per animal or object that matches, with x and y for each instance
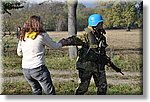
(122, 73)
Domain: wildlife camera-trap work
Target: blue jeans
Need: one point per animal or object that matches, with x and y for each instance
(39, 78)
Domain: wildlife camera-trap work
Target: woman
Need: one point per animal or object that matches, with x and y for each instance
(33, 40)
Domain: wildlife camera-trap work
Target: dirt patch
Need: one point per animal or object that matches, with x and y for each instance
(126, 79)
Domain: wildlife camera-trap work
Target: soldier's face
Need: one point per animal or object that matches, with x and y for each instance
(100, 26)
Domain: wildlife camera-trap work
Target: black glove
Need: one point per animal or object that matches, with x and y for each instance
(63, 42)
(73, 40)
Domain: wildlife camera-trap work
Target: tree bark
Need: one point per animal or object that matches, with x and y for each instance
(72, 25)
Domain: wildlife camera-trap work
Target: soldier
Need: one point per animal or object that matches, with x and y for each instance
(92, 56)
(87, 56)
(87, 61)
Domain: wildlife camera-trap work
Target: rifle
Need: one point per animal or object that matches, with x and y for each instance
(111, 64)
(103, 57)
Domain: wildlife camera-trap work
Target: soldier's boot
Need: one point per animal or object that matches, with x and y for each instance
(83, 88)
(101, 93)
(80, 92)
(102, 90)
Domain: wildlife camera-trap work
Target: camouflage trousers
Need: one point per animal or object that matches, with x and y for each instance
(99, 79)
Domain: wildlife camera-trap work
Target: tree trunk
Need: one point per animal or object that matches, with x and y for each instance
(72, 25)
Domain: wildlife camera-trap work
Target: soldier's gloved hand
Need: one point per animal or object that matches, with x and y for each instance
(63, 42)
(73, 40)
(67, 41)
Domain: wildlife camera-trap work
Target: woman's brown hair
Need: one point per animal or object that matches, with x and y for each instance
(33, 24)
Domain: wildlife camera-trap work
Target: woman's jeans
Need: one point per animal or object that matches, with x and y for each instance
(39, 78)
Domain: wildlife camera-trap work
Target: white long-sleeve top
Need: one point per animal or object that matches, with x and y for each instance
(33, 50)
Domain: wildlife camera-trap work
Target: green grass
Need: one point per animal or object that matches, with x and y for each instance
(69, 88)
(59, 59)
(60, 63)
(125, 89)
(129, 62)
(18, 88)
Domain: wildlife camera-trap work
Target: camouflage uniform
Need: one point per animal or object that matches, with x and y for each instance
(87, 63)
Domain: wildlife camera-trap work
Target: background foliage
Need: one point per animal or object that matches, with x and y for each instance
(55, 14)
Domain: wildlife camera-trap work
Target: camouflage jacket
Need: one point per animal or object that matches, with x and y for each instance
(88, 53)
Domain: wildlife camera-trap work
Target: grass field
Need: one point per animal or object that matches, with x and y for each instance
(125, 50)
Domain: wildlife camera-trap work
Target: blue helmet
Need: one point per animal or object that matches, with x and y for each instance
(94, 19)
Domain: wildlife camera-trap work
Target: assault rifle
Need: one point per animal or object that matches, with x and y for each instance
(108, 62)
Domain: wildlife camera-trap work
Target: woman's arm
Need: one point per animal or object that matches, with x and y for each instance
(19, 49)
(50, 43)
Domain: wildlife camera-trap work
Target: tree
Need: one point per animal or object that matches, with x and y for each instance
(130, 13)
(140, 14)
(82, 16)
(72, 25)
(8, 5)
